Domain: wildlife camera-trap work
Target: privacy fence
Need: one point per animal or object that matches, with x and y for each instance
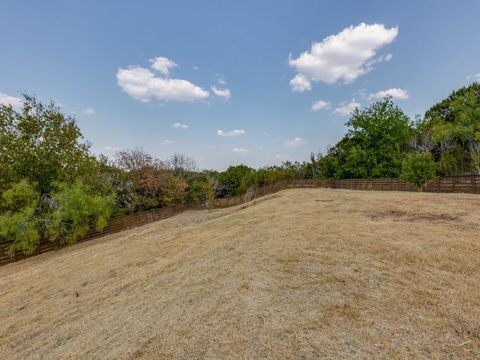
(460, 184)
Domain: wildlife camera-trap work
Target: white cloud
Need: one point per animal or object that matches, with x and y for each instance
(10, 100)
(295, 142)
(142, 84)
(300, 83)
(474, 77)
(342, 57)
(278, 156)
(88, 111)
(163, 64)
(347, 108)
(234, 132)
(225, 93)
(178, 125)
(168, 142)
(239, 150)
(320, 105)
(395, 93)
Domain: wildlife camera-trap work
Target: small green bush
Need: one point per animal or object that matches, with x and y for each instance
(18, 221)
(75, 212)
(418, 169)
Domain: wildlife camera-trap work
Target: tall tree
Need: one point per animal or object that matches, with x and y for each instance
(375, 143)
(454, 125)
(41, 144)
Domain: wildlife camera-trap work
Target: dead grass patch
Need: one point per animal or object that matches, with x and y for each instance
(304, 274)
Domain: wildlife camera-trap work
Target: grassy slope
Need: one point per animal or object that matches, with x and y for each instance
(302, 274)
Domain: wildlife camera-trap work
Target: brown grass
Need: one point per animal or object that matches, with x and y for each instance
(302, 274)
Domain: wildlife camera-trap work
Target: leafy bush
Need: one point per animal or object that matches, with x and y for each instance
(18, 221)
(418, 169)
(75, 211)
(235, 180)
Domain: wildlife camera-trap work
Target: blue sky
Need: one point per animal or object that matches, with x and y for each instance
(131, 70)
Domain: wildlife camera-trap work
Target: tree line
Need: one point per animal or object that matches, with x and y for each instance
(53, 188)
(382, 141)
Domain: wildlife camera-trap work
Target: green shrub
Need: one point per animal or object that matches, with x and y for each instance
(18, 221)
(75, 212)
(418, 169)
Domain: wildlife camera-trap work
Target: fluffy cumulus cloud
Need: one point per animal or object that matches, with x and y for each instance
(320, 105)
(224, 93)
(237, 150)
(234, 132)
(295, 142)
(10, 100)
(300, 83)
(347, 108)
(178, 125)
(89, 111)
(143, 84)
(163, 64)
(342, 57)
(395, 93)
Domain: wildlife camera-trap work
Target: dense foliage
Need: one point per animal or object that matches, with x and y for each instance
(374, 145)
(383, 142)
(418, 169)
(53, 188)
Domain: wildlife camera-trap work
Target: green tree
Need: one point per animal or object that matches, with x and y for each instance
(235, 180)
(454, 124)
(418, 169)
(375, 144)
(329, 167)
(40, 144)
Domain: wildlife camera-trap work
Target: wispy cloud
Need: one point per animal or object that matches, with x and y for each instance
(10, 100)
(474, 78)
(234, 132)
(224, 93)
(320, 105)
(237, 150)
(395, 93)
(88, 111)
(178, 125)
(295, 142)
(167, 142)
(347, 108)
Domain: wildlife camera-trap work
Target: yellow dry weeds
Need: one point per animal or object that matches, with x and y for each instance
(302, 274)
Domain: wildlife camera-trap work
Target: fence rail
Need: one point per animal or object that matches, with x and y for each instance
(457, 184)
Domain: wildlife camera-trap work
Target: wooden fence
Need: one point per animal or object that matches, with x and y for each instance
(459, 184)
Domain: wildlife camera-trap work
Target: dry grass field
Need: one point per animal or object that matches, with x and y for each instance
(302, 274)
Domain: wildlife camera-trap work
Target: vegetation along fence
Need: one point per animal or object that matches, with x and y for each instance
(462, 184)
